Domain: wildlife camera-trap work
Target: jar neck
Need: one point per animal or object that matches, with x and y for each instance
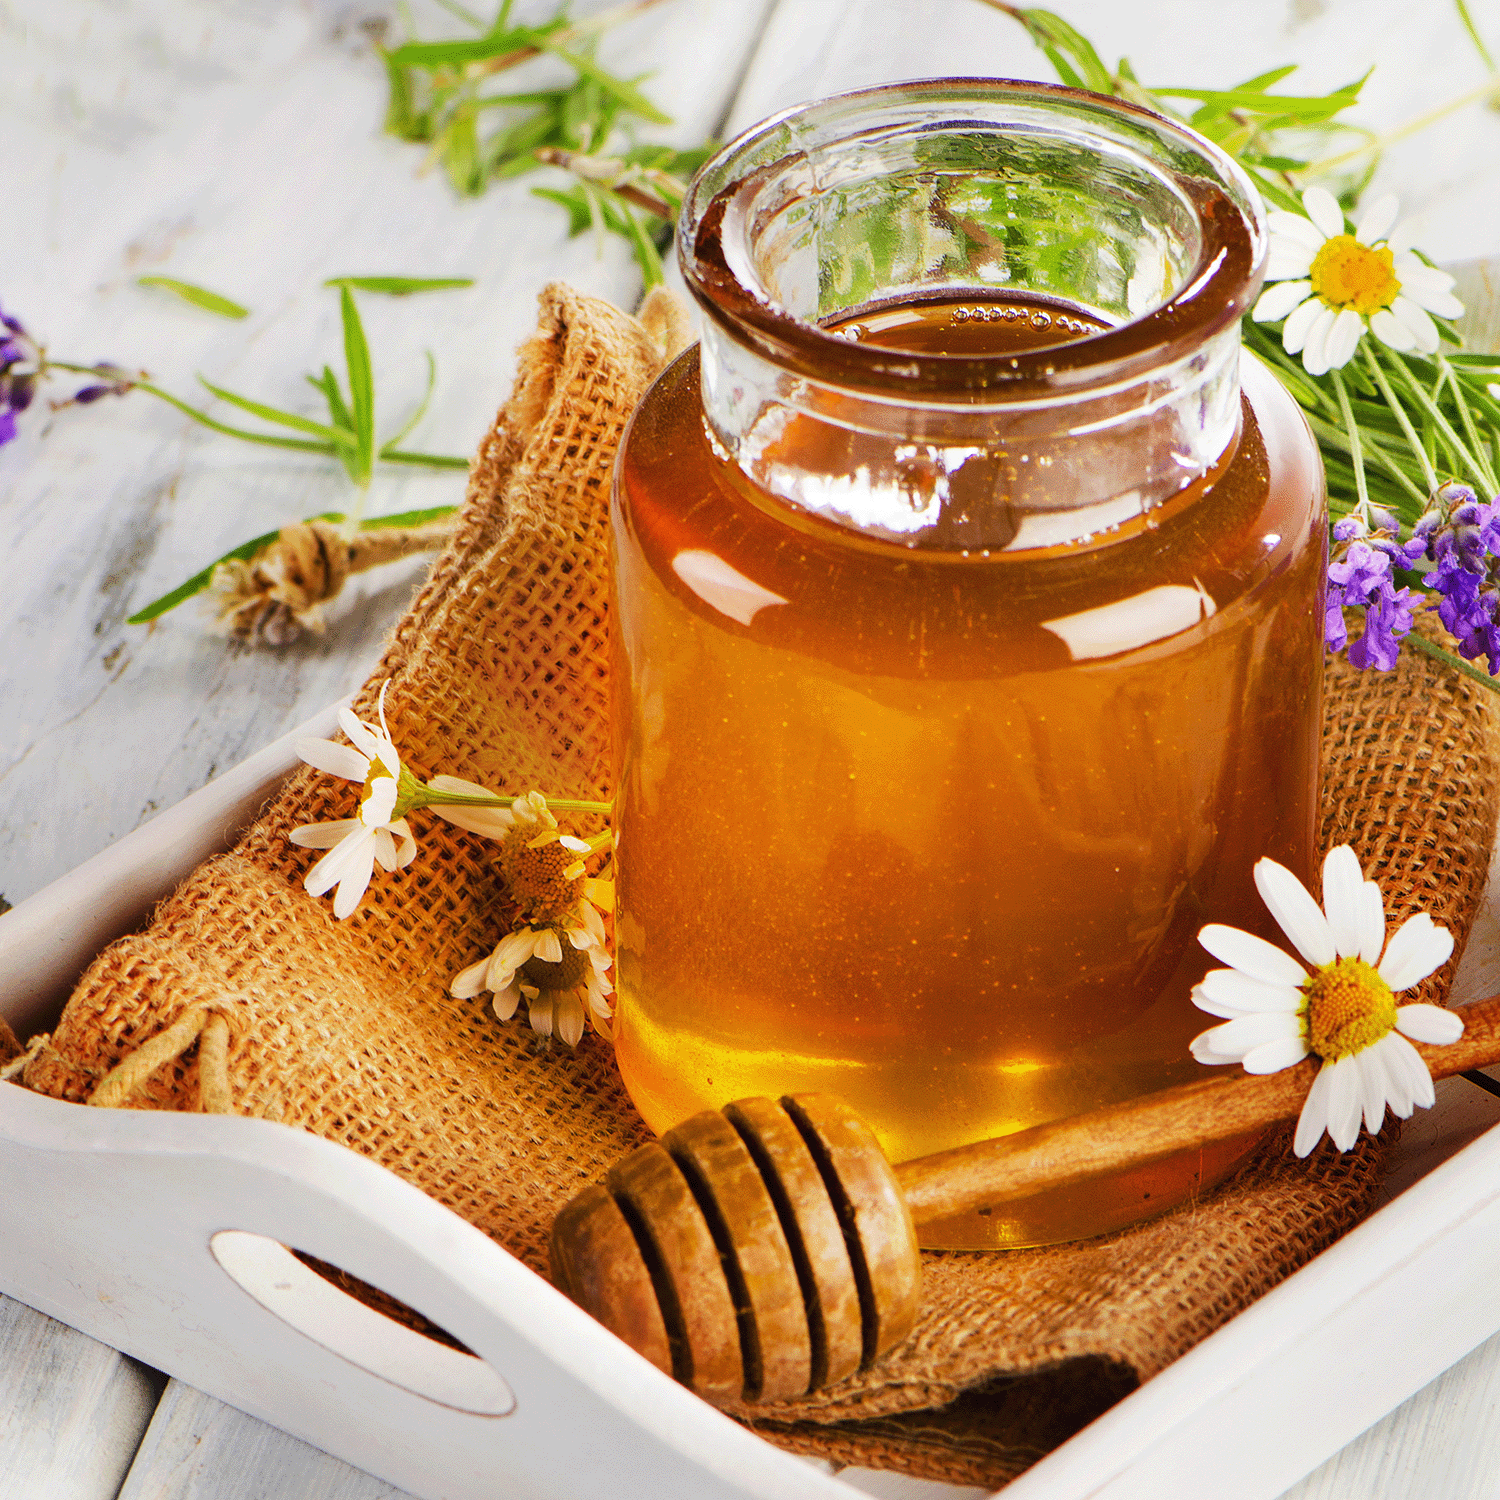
(972, 189)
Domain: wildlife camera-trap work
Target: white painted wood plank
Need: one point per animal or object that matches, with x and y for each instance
(72, 1411)
(1444, 1442)
(199, 1449)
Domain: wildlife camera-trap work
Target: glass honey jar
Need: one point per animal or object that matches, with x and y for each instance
(967, 634)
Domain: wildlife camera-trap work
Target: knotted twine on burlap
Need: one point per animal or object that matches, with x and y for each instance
(498, 674)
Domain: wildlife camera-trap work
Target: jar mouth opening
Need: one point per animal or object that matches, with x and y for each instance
(972, 187)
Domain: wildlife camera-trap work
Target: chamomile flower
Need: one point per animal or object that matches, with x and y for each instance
(1343, 1010)
(1331, 285)
(558, 959)
(356, 845)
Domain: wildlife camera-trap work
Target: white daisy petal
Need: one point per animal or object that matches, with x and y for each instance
(572, 845)
(1371, 923)
(379, 803)
(492, 822)
(408, 850)
(337, 760)
(1287, 226)
(1273, 1056)
(1203, 1052)
(1444, 304)
(1429, 1023)
(1243, 1034)
(540, 1012)
(507, 998)
(1301, 917)
(1403, 237)
(1417, 323)
(1343, 898)
(337, 863)
(1343, 338)
(548, 947)
(1288, 262)
(363, 737)
(1297, 327)
(356, 880)
(1345, 1103)
(1251, 955)
(1398, 1093)
(1418, 948)
(511, 952)
(1277, 301)
(1401, 1054)
(1323, 209)
(385, 849)
(569, 1018)
(1376, 221)
(324, 835)
(1229, 987)
(1372, 1091)
(468, 982)
(1392, 332)
(1315, 350)
(1411, 270)
(1313, 1120)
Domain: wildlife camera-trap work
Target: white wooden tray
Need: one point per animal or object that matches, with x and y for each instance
(161, 1234)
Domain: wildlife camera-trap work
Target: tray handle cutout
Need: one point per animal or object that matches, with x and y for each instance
(342, 1324)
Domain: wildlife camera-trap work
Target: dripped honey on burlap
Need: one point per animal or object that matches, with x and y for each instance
(498, 674)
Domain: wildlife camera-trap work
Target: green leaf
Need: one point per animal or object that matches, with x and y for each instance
(204, 420)
(425, 460)
(406, 518)
(421, 410)
(200, 581)
(647, 257)
(338, 412)
(458, 53)
(275, 414)
(361, 387)
(459, 147)
(399, 286)
(579, 217)
(197, 295)
(626, 92)
(402, 118)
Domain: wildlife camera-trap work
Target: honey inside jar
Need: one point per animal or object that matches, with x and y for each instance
(931, 822)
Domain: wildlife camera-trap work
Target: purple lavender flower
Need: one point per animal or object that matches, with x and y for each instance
(1461, 534)
(1360, 578)
(19, 361)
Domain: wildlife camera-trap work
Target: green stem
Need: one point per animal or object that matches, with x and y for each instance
(1356, 457)
(1466, 417)
(1441, 422)
(1431, 648)
(600, 841)
(430, 797)
(1326, 431)
(1399, 412)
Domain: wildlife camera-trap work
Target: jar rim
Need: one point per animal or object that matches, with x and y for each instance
(1214, 293)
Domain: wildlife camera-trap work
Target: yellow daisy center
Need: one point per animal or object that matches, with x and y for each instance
(534, 879)
(1347, 274)
(1349, 1007)
(570, 970)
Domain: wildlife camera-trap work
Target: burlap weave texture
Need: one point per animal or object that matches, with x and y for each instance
(498, 674)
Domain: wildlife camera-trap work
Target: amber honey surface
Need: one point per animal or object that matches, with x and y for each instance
(916, 828)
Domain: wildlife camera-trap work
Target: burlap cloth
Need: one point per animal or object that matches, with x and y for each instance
(498, 673)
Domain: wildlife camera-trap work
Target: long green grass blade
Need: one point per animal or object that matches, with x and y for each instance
(204, 420)
(399, 286)
(199, 296)
(419, 413)
(619, 88)
(275, 414)
(425, 460)
(361, 386)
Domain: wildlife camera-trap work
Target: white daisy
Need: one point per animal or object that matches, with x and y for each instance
(1344, 1011)
(1330, 285)
(557, 982)
(356, 845)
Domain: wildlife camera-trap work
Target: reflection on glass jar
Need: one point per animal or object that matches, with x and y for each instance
(968, 626)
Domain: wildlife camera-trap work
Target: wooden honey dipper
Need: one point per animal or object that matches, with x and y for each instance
(769, 1249)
